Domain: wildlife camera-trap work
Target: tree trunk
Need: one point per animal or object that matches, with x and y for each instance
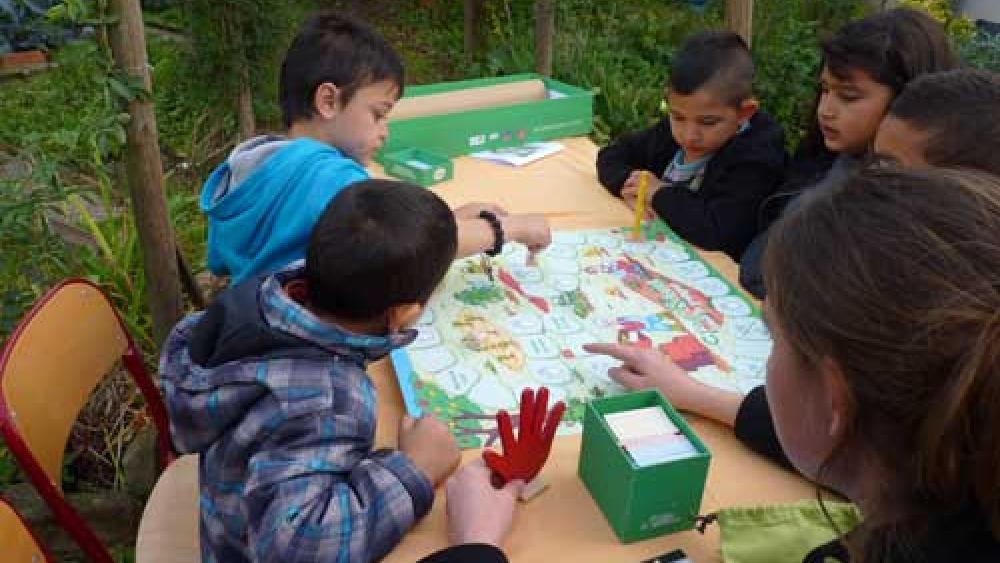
(545, 26)
(473, 12)
(244, 102)
(739, 18)
(145, 176)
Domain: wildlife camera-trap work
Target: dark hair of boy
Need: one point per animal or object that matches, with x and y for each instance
(959, 112)
(892, 47)
(333, 48)
(378, 244)
(717, 60)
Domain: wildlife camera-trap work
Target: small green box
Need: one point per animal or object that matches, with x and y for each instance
(640, 502)
(567, 111)
(418, 166)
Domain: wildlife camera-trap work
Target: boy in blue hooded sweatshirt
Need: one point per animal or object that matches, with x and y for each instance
(268, 385)
(339, 81)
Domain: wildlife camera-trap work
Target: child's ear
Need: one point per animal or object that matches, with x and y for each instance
(839, 397)
(326, 100)
(748, 108)
(403, 315)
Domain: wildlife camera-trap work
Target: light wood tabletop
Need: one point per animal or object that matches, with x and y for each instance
(563, 523)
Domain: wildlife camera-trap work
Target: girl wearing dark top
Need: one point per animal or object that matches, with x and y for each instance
(865, 66)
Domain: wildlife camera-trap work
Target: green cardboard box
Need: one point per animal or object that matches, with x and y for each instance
(640, 502)
(567, 111)
(418, 166)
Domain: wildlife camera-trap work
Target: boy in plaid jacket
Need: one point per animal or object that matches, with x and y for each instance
(269, 386)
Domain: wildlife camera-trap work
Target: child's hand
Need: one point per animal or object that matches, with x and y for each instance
(431, 447)
(471, 210)
(633, 178)
(645, 368)
(478, 512)
(630, 195)
(529, 229)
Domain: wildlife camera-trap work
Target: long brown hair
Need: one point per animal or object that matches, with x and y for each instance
(895, 276)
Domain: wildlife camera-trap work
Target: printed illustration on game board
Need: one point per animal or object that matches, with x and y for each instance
(481, 342)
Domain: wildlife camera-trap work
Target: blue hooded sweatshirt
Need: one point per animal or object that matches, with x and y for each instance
(264, 200)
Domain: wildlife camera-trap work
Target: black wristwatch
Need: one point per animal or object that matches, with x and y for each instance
(497, 227)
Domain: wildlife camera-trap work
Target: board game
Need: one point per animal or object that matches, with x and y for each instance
(480, 342)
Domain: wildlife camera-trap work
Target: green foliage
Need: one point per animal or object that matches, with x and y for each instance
(194, 129)
(236, 41)
(982, 50)
(956, 25)
(787, 67)
(33, 256)
(89, 125)
(428, 36)
(624, 51)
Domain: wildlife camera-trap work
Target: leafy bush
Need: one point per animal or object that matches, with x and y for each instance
(24, 26)
(956, 25)
(624, 51)
(982, 50)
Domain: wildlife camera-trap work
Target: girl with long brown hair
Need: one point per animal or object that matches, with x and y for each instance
(884, 379)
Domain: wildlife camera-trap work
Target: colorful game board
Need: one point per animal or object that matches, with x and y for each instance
(481, 342)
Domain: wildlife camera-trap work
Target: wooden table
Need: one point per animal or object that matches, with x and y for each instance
(564, 523)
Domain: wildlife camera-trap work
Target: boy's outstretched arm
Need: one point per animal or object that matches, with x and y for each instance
(475, 235)
(320, 495)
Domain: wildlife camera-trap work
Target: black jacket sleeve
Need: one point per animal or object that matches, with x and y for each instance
(755, 427)
(751, 266)
(467, 553)
(723, 215)
(650, 149)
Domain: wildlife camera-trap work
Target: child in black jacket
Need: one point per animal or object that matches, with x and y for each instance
(713, 159)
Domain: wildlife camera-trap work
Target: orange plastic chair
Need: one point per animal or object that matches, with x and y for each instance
(62, 348)
(20, 544)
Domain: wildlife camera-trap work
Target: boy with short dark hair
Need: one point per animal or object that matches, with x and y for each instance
(339, 81)
(713, 159)
(268, 385)
(949, 118)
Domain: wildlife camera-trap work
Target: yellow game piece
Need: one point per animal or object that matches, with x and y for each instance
(640, 207)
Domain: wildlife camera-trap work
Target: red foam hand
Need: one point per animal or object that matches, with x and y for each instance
(524, 456)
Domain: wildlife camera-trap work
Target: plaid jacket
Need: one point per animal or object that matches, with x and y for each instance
(279, 406)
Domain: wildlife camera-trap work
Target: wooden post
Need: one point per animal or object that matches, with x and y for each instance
(473, 11)
(244, 104)
(739, 18)
(545, 27)
(145, 176)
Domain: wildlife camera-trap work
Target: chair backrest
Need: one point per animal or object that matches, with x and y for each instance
(20, 545)
(62, 348)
